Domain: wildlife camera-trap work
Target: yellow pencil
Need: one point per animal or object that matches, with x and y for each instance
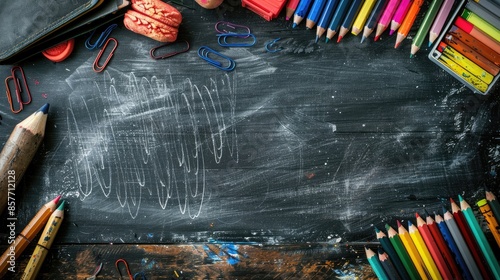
(362, 16)
(43, 246)
(419, 243)
(412, 251)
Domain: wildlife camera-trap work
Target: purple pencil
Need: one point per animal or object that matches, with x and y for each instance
(441, 17)
(386, 17)
(399, 15)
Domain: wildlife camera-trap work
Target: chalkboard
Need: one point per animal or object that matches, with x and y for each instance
(317, 142)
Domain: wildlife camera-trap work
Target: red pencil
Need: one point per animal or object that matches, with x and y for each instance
(443, 248)
(469, 238)
(291, 6)
(433, 248)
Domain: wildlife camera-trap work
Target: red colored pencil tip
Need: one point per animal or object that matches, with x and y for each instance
(56, 200)
(417, 215)
(397, 45)
(287, 18)
(339, 39)
(399, 223)
(376, 38)
(451, 200)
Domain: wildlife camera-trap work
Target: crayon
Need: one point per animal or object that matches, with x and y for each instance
(314, 13)
(475, 44)
(490, 6)
(407, 23)
(375, 264)
(480, 238)
(466, 63)
(290, 8)
(485, 209)
(478, 34)
(386, 17)
(402, 253)
(349, 19)
(400, 15)
(425, 25)
(325, 18)
(462, 73)
(301, 12)
(483, 13)
(44, 244)
(18, 152)
(374, 18)
(481, 24)
(337, 18)
(440, 20)
(423, 251)
(362, 16)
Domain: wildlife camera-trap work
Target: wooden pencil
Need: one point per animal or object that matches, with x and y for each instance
(461, 245)
(385, 18)
(423, 251)
(387, 265)
(18, 152)
(402, 253)
(291, 5)
(389, 249)
(27, 235)
(481, 239)
(412, 251)
(485, 209)
(375, 264)
(407, 23)
(494, 205)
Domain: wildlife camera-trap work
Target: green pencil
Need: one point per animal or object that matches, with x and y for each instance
(481, 239)
(375, 263)
(401, 251)
(431, 13)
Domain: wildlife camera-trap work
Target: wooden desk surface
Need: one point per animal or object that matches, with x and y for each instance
(290, 156)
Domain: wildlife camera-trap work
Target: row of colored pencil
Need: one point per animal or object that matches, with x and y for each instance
(451, 245)
(366, 16)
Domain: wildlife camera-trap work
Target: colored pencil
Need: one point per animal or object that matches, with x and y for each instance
(466, 63)
(44, 244)
(28, 234)
(407, 23)
(490, 6)
(290, 8)
(325, 18)
(433, 248)
(402, 253)
(412, 251)
(388, 247)
(425, 26)
(375, 264)
(301, 12)
(386, 17)
(18, 152)
(337, 18)
(387, 265)
(469, 238)
(494, 205)
(362, 16)
(374, 18)
(480, 238)
(483, 13)
(471, 54)
(314, 13)
(440, 20)
(462, 73)
(475, 44)
(481, 24)
(452, 245)
(400, 15)
(462, 245)
(478, 34)
(423, 251)
(485, 209)
(442, 247)
(349, 19)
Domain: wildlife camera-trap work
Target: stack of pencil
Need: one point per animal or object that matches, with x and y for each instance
(450, 245)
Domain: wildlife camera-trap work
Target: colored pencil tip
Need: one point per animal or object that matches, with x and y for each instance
(56, 200)
(397, 45)
(377, 230)
(391, 32)
(460, 198)
(339, 39)
(294, 25)
(363, 39)
(327, 40)
(417, 215)
(45, 108)
(443, 210)
(317, 38)
(451, 200)
(287, 18)
(387, 226)
(409, 223)
(411, 55)
(430, 44)
(61, 206)
(426, 213)
(376, 38)
(399, 223)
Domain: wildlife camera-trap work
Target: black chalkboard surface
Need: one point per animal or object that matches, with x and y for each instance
(318, 142)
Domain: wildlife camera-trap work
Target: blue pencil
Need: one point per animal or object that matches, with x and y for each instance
(373, 18)
(448, 238)
(314, 13)
(325, 18)
(349, 18)
(337, 18)
(301, 11)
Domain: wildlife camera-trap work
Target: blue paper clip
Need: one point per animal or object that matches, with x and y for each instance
(270, 44)
(228, 25)
(228, 65)
(102, 38)
(222, 40)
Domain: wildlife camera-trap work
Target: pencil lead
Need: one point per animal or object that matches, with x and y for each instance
(411, 55)
(45, 108)
(294, 25)
(430, 44)
(376, 38)
(317, 38)
(397, 45)
(339, 39)
(409, 223)
(377, 230)
(417, 215)
(363, 39)
(387, 227)
(391, 32)
(287, 18)
(451, 200)
(56, 200)
(61, 206)
(460, 198)
(444, 210)
(399, 223)
(327, 40)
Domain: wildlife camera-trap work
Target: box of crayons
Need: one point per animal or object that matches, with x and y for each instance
(469, 46)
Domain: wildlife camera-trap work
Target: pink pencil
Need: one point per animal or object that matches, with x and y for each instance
(291, 6)
(441, 17)
(386, 17)
(399, 15)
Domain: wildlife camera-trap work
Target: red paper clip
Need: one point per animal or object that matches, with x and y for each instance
(18, 89)
(99, 68)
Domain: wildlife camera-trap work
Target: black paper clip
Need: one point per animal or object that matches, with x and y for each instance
(99, 68)
(17, 74)
(224, 63)
(170, 54)
(102, 38)
(222, 40)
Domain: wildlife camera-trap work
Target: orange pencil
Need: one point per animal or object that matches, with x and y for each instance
(433, 248)
(407, 23)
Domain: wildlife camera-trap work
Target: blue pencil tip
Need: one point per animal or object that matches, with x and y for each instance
(317, 38)
(294, 25)
(409, 223)
(430, 44)
(45, 108)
